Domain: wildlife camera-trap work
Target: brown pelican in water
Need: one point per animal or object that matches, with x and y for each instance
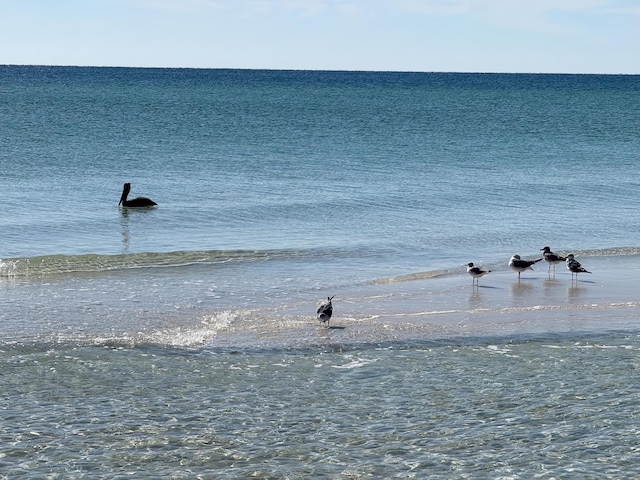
(325, 310)
(136, 202)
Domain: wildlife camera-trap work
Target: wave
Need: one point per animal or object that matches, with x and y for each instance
(57, 264)
(604, 252)
(40, 266)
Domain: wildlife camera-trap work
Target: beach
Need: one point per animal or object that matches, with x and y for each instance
(422, 306)
(449, 307)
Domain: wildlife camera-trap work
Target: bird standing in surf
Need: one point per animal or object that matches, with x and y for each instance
(136, 202)
(475, 272)
(324, 311)
(574, 267)
(519, 265)
(551, 258)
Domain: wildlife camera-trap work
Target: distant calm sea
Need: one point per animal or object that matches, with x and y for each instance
(139, 343)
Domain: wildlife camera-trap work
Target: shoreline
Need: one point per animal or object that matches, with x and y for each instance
(450, 307)
(416, 308)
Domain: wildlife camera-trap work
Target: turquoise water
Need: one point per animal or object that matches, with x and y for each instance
(179, 341)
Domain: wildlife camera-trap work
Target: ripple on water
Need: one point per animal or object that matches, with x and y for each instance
(551, 407)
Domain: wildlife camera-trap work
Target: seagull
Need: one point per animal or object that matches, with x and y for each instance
(519, 265)
(551, 258)
(574, 266)
(476, 272)
(324, 311)
(136, 202)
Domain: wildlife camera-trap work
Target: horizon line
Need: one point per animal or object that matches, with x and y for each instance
(273, 69)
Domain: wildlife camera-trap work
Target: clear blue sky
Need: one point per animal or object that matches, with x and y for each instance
(572, 36)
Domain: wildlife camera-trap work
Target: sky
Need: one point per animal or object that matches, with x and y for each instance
(521, 36)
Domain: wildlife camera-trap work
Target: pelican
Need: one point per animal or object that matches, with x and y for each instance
(551, 258)
(574, 266)
(136, 202)
(324, 311)
(519, 265)
(475, 272)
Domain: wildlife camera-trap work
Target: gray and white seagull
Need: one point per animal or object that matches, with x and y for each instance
(476, 272)
(552, 258)
(324, 311)
(519, 265)
(574, 266)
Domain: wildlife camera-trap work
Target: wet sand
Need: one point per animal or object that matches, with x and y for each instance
(450, 307)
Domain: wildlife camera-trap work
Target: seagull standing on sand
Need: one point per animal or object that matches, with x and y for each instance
(519, 265)
(325, 310)
(475, 272)
(574, 266)
(551, 258)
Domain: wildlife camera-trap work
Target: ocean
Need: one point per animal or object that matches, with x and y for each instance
(180, 341)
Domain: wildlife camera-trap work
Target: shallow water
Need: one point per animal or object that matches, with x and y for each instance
(546, 407)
